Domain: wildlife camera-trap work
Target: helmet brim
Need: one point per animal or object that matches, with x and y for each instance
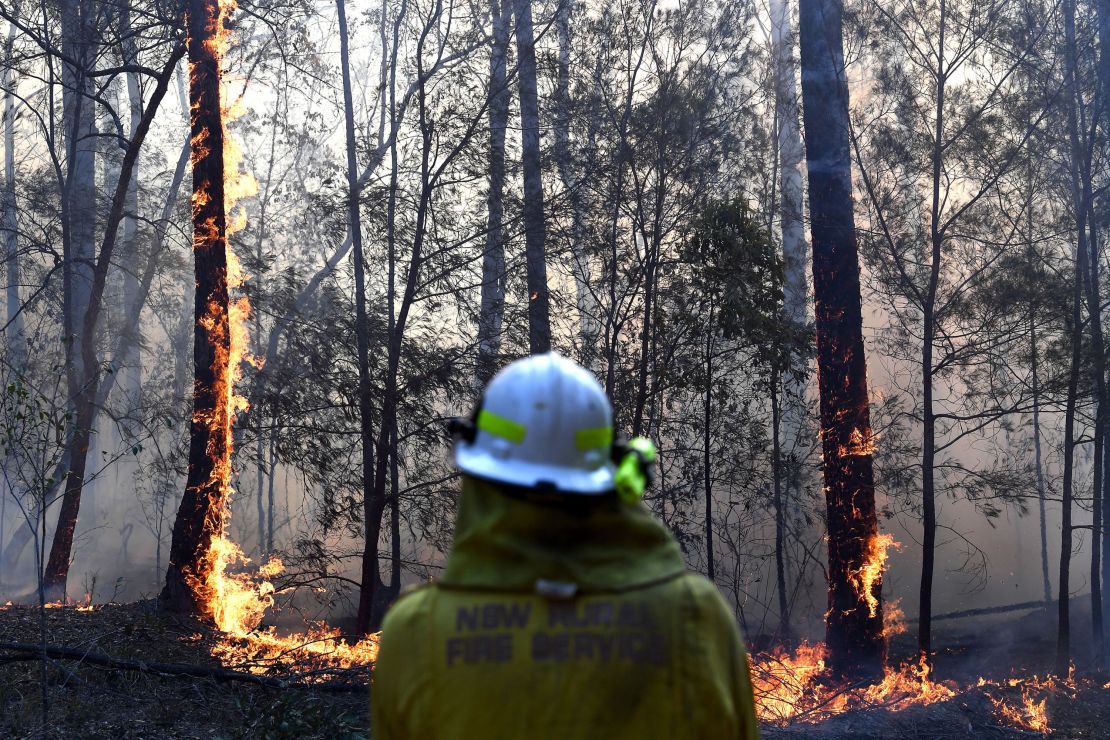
(481, 464)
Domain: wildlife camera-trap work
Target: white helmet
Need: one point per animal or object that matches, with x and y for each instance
(543, 422)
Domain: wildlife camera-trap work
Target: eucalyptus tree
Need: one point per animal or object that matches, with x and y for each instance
(854, 620)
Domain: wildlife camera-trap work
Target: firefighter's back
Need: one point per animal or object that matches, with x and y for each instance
(660, 661)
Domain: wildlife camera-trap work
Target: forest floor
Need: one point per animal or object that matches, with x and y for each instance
(95, 701)
(92, 701)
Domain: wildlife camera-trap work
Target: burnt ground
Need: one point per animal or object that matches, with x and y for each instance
(91, 701)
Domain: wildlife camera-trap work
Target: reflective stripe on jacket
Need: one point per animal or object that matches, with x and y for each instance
(501, 649)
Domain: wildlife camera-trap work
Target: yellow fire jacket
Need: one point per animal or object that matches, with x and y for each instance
(561, 622)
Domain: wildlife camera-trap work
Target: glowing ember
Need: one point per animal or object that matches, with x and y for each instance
(861, 442)
(85, 605)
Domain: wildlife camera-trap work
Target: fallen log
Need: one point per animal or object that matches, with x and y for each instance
(1023, 606)
(32, 652)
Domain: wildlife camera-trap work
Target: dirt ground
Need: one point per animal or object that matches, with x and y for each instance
(90, 701)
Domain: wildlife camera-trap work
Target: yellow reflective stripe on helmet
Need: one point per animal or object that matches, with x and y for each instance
(589, 439)
(499, 426)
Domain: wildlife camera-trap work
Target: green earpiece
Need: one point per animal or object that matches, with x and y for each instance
(634, 472)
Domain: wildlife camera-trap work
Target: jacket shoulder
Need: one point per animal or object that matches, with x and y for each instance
(709, 604)
(413, 602)
(702, 590)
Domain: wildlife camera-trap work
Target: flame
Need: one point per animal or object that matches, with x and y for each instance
(235, 598)
(894, 619)
(791, 687)
(794, 687)
(239, 603)
(870, 574)
(1031, 713)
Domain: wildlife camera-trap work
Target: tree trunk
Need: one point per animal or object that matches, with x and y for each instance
(78, 234)
(9, 219)
(1037, 458)
(854, 632)
(1063, 634)
(493, 259)
(612, 322)
(539, 322)
(928, 420)
(586, 303)
(131, 362)
(795, 249)
(9, 245)
(706, 439)
(780, 509)
(1098, 369)
(1103, 108)
(200, 517)
(362, 324)
(270, 495)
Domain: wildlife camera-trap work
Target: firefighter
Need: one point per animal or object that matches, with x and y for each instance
(565, 609)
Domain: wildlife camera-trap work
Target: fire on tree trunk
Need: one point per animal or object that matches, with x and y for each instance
(201, 516)
(854, 621)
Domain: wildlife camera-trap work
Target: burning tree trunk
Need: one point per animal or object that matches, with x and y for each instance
(854, 622)
(200, 518)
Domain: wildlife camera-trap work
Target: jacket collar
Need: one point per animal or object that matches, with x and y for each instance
(509, 539)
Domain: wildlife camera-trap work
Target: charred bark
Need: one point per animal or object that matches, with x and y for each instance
(200, 517)
(854, 633)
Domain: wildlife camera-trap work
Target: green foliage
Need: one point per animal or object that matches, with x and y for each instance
(738, 269)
